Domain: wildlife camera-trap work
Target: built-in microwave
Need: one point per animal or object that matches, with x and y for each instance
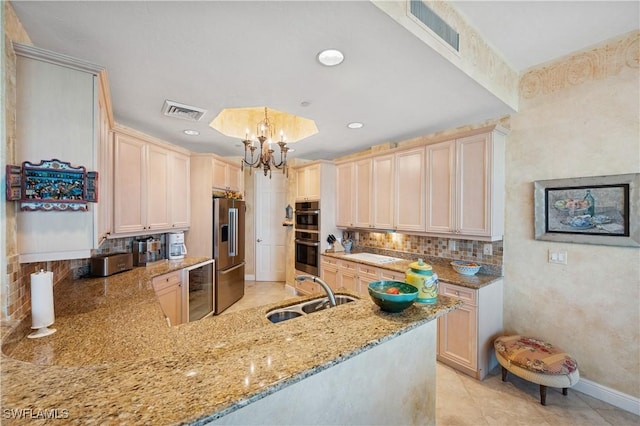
(308, 215)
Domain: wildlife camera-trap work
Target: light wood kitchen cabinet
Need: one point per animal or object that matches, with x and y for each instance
(410, 194)
(157, 188)
(465, 186)
(347, 272)
(180, 190)
(363, 174)
(308, 183)
(129, 197)
(369, 201)
(329, 271)
(168, 288)
(383, 189)
(151, 186)
(365, 275)
(465, 335)
(387, 275)
(226, 176)
(345, 190)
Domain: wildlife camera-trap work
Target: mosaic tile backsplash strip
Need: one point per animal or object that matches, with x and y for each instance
(413, 246)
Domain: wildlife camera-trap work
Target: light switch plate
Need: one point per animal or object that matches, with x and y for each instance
(452, 245)
(559, 257)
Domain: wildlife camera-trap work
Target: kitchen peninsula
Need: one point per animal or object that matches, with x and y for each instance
(115, 360)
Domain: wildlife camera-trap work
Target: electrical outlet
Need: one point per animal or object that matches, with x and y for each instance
(559, 257)
(487, 249)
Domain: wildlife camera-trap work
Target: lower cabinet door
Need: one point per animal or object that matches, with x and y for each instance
(330, 276)
(171, 302)
(457, 338)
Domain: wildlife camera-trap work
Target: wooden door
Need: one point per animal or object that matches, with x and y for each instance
(270, 234)
(410, 194)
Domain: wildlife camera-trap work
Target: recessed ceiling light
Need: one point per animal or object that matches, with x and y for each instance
(191, 132)
(355, 125)
(330, 57)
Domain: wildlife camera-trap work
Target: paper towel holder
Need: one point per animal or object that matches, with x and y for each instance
(42, 314)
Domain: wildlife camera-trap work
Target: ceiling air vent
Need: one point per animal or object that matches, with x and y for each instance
(424, 14)
(186, 112)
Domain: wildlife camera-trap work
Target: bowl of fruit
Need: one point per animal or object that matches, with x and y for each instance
(465, 267)
(392, 296)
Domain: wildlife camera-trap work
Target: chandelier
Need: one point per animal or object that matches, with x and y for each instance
(266, 158)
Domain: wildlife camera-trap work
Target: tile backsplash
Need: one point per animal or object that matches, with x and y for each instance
(431, 247)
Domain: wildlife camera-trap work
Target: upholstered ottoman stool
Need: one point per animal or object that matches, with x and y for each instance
(538, 362)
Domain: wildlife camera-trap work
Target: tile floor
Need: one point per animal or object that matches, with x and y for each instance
(461, 400)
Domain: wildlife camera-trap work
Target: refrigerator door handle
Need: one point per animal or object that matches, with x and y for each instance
(231, 269)
(233, 224)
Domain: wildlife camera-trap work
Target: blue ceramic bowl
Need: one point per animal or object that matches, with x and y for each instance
(465, 268)
(392, 302)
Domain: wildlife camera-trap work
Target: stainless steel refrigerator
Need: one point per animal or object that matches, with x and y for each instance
(228, 251)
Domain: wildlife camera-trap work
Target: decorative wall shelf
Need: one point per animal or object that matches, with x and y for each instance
(51, 185)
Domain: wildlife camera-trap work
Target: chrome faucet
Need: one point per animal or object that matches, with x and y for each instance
(325, 286)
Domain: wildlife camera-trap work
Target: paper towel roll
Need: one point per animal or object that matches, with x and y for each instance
(42, 314)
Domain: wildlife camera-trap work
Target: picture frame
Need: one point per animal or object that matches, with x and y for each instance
(603, 210)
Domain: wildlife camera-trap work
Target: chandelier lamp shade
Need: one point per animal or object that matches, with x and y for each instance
(259, 147)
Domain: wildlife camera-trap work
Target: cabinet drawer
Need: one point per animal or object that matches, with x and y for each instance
(330, 261)
(366, 271)
(468, 295)
(167, 280)
(348, 266)
(388, 275)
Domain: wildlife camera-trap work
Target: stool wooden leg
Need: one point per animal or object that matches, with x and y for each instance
(504, 374)
(564, 391)
(543, 395)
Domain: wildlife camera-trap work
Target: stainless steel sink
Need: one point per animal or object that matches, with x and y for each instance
(306, 307)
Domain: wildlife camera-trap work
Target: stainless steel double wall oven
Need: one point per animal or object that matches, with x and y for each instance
(307, 242)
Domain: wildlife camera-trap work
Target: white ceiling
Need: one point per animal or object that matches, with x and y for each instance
(220, 54)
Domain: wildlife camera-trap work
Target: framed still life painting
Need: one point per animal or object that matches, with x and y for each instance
(590, 210)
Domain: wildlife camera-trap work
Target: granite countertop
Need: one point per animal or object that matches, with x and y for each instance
(440, 266)
(113, 359)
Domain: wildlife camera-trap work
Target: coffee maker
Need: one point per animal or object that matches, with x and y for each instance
(147, 250)
(175, 246)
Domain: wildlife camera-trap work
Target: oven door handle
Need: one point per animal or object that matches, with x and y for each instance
(299, 212)
(307, 243)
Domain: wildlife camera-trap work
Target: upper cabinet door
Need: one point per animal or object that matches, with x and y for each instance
(345, 178)
(363, 188)
(473, 188)
(441, 187)
(180, 190)
(308, 183)
(129, 196)
(158, 199)
(410, 191)
(383, 187)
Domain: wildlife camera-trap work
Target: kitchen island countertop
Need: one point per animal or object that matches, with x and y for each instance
(114, 359)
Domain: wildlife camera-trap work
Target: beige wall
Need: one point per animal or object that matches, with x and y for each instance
(578, 116)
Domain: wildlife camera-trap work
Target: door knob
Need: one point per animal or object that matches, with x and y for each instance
(259, 240)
